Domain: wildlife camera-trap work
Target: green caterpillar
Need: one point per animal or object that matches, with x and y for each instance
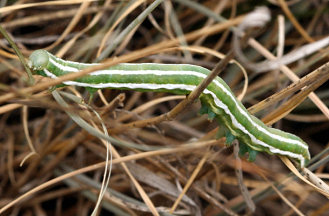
(180, 79)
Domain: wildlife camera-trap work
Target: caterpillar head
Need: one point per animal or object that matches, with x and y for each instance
(38, 60)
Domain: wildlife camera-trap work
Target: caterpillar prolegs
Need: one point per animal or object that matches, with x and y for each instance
(180, 79)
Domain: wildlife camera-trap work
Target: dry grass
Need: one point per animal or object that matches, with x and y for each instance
(51, 166)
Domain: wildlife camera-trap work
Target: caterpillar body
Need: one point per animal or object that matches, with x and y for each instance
(180, 79)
